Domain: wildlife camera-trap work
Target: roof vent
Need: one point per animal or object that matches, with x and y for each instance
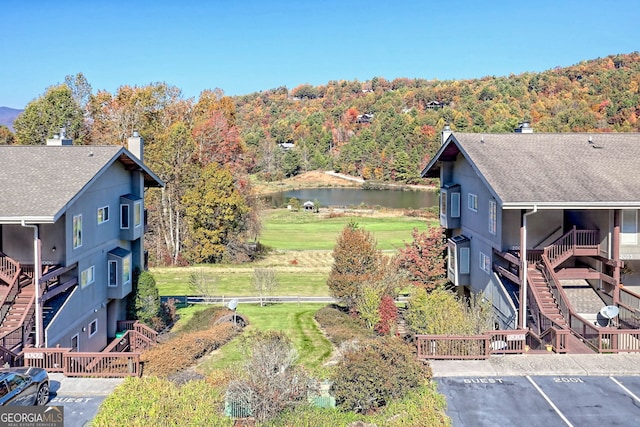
(524, 127)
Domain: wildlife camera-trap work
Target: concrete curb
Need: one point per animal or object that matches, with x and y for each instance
(627, 364)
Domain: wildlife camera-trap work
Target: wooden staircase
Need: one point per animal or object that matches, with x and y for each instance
(548, 304)
(19, 310)
(17, 305)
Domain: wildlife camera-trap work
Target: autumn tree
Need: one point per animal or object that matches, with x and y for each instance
(6, 136)
(356, 261)
(216, 212)
(423, 259)
(45, 116)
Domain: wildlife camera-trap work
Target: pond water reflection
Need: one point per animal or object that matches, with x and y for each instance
(357, 197)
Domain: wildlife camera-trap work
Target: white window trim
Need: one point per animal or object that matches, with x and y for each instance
(493, 217)
(137, 214)
(472, 202)
(104, 209)
(483, 263)
(89, 330)
(464, 266)
(127, 216)
(455, 206)
(73, 231)
(90, 276)
(111, 261)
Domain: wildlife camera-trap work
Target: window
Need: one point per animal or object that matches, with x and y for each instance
(124, 216)
(629, 230)
(77, 231)
(113, 273)
(126, 269)
(485, 263)
(93, 327)
(464, 261)
(443, 203)
(103, 214)
(74, 342)
(455, 205)
(87, 276)
(472, 201)
(493, 217)
(137, 214)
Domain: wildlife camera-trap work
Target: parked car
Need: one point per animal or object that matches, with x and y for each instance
(24, 386)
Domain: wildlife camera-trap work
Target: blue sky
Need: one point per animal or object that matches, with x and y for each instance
(245, 46)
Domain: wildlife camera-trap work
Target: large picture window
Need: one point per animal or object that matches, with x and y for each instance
(77, 231)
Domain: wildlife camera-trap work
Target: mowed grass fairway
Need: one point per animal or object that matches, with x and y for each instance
(302, 245)
(286, 230)
(296, 320)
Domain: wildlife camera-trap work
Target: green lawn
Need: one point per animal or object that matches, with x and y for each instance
(235, 282)
(296, 320)
(302, 243)
(287, 230)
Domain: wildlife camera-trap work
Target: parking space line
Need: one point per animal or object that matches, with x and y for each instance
(555, 408)
(625, 389)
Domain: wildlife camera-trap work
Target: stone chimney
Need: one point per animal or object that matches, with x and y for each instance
(523, 127)
(446, 133)
(60, 138)
(135, 144)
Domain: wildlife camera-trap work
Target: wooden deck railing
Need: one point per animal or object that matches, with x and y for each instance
(83, 364)
(9, 269)
(569, 244)
(471, 346)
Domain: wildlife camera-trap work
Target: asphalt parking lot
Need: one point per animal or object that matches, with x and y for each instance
(542, 401)
(80, 397)
(542, 390)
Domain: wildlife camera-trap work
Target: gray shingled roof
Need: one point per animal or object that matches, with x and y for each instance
(560, 169)
(37, 182)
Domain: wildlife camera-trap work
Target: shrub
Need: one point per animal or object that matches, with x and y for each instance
(442, 312)
(159, 402)
(270, 380)
(388, 315)
(421, 407)
(339, 327)
(184, 350)
(205, 319)
(374, 372)
(147, 303)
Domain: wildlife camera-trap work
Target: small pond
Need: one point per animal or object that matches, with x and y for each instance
(349, 197)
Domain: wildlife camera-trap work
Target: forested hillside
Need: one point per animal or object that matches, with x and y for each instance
(205, 149)
(408, 114)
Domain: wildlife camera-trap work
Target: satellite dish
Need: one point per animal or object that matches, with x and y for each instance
(233, 304)
(609, 311)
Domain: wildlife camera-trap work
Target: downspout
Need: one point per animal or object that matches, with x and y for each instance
(525, 266)
(36, 280)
